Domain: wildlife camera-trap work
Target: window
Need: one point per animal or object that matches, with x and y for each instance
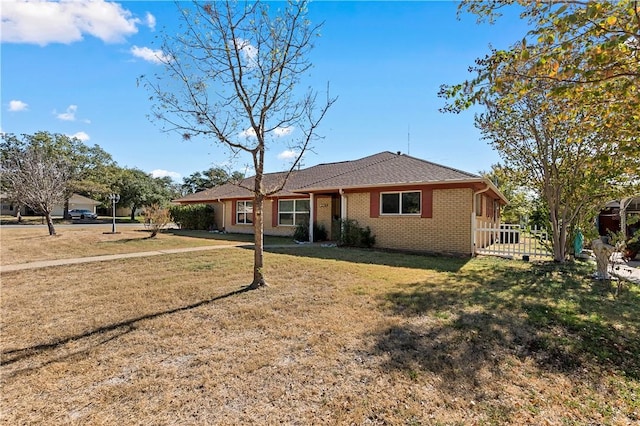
(293, 212)
(244, 212)
(401, 202)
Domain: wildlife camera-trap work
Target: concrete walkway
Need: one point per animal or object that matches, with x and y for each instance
(629, 271)
(108, 257)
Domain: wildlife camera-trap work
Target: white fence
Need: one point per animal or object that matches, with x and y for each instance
(511, 240)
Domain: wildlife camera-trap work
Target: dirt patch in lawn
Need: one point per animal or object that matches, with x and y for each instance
(340, 340)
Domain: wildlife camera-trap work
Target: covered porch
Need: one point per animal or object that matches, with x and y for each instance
(616, 214)
(326, 211)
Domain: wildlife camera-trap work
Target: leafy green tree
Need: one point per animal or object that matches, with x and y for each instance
(587, 51)
(138, 189)
(88, 166)
(232, 75)
(561, 106)
(135, 189)
(520, 198)
(210, 178)
(32, 176)
(166, 190)
(572, 169)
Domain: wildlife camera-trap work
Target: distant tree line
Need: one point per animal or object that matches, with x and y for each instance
(43, 169)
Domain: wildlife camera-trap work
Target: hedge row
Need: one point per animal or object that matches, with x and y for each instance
(193, 216)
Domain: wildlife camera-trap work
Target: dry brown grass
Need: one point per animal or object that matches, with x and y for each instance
(29, 244)
(339, 337)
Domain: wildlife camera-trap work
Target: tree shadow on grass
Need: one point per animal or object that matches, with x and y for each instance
(95, 337)
(551, 314)
(375, 257)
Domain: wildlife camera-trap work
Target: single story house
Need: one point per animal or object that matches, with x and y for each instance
(8, 207)
(76, 201)
(409, 203)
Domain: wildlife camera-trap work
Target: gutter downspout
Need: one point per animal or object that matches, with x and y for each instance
(343, 209)
(473, 219)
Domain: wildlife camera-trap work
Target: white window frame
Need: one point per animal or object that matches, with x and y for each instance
(294, 212)
(399, 193)
(244, 211)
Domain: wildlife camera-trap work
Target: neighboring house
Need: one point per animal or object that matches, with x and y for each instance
(409, 203)
(613, 217)
(76, 201)
(8, 207)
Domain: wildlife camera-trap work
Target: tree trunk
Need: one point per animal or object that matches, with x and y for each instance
(133, 213)
(258, 253)
(52, 230)
(65, 213)
(559, 238)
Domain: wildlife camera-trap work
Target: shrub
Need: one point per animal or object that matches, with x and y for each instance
(351, 234)
(156, 217)
(301, 232)
(320, 232)
(194, 216)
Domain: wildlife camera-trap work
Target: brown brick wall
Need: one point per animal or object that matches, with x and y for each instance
(448, 231)
(248, 229)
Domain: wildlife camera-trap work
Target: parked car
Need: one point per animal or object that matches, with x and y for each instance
(82, 214)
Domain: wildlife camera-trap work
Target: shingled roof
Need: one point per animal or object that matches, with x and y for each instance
(382, 169)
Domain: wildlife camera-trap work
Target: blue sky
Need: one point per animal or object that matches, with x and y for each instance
(71, 67)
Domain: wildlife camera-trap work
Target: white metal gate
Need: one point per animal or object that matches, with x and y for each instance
(511, 240)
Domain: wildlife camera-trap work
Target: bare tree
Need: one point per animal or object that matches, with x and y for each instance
(35, 179)
(232, 75)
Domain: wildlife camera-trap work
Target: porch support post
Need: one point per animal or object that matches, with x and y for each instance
(474, 216)
(473, 233)
(624, 203)
(312, 210)
(223, 213)
(343, 206)
(343, 210)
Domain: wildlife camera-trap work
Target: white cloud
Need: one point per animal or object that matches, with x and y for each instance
(249, 133)
(283, 131)
(80, 135)
(149, 55)
(278, 132)
(70, 115)
(249, 51)
(150, 20)
(162, 173)
(17, 106)
(65, 21)
(287, 155)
